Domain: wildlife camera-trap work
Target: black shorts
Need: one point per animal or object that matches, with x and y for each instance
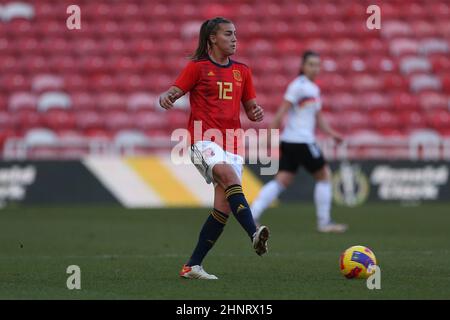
(308, 155)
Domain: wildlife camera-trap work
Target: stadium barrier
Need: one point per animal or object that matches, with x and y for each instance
(145, 182)
(423, 145)
(358, 182)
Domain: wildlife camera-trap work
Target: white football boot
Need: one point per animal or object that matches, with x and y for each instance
(333, 227)
(260, 240)
(196, 272)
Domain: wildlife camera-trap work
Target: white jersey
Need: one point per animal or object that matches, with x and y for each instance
(301, 123)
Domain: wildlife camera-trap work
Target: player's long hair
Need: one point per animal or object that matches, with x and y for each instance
(306, 55)
(208, 28)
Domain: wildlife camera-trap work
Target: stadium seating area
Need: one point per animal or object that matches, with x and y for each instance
(62, 87)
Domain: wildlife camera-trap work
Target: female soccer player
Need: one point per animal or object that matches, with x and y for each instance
(217, 86)
(298, 147)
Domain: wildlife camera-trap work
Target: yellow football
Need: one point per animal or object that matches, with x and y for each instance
(357, 262)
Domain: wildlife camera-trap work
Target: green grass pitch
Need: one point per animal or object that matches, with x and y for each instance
(137, 254)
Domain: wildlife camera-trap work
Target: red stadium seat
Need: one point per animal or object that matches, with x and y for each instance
(83, 100)
(63, 64)
(395, 83)
(104, 27)
(444, 132)
(7, 121)
(34, 64)
(111, 100)
(22, 27)
(142, 100)
(59, 119)
(126, 11)
(47, 10)
(70, 136)
(177, 119)
(319, 45)
(214, 10)
(340, 101)
(76, 82)
(440, 62)
(3, 102)
(373, 100)
(443, 27)
(396, 28)
(439, 119)
(28, 119)
(354, 10)
(413, 64)
(289, 46)
(147, 120)
(111, 47)
(379, 63)
(47, 82)
(439, 9)
(87, 120)
(404, 46)
(423, 28)
(93, 64)
(102, 82)
(49, 27)
(22, 100)
(376, 46)
(433, 100)
(431, 46)
(347, 46)
(445, 80)
(132, 82)
(404, 101)
(390, 11)
(384, 120)
(392, 132)
(411, 120)
(97, 133)
(16, 82)
(118, 120)
(26, 44)
(334, 82)
(355, 120)
(7, 47)
(98, 10)
(366, 82)
(424, 82)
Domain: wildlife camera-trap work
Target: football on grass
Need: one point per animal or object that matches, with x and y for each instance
(357, 262)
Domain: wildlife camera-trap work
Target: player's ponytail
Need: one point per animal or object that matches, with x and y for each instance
(208, 28)
(306, 55)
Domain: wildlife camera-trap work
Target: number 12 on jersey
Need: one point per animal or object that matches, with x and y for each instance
(225, 90)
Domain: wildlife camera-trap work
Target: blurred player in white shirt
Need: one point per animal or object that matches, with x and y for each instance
(298, 146)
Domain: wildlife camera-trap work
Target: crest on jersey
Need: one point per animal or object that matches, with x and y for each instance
(237, 75)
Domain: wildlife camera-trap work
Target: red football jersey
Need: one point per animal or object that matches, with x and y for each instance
(216, 93)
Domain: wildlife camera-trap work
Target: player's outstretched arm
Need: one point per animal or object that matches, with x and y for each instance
(253, 110)
(325, 127)
(167, 99)
(279, 116)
